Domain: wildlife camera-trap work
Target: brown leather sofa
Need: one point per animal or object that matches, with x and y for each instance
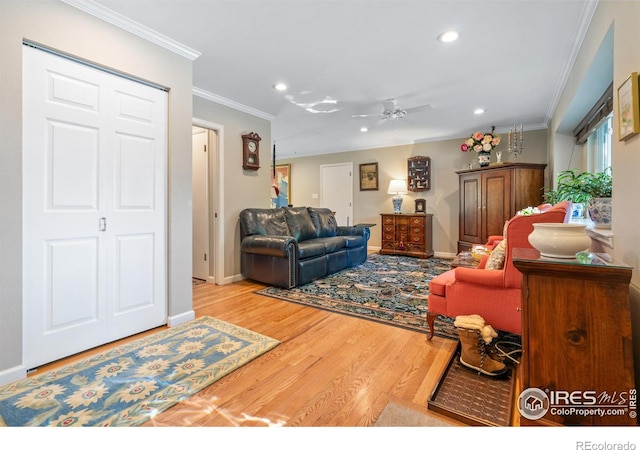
(289, 247)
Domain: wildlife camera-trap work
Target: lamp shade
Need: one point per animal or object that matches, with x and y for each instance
(397, 187)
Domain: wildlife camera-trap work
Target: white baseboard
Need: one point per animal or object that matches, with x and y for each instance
(13, 374)
(232, 279)
(172, 321)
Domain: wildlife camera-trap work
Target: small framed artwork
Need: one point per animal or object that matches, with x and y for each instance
(369, 177)
(628, 108)
(283, 181)
(421, 206)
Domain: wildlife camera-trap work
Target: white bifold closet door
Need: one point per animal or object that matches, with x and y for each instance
(94, 207)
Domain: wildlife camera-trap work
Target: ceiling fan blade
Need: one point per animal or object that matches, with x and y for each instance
(418, 108)
(365, 115)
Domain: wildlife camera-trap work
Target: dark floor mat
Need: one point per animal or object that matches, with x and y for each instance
(471, 398)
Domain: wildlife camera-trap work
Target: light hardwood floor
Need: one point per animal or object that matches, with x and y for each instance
(329, 370)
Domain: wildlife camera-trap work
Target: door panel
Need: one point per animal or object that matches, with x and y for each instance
(337, 191)
(200, 199)
(72, 169)
(72, 274)
(94, 182)
(134, 173)
(470, 209)
(134, 280)
(497, 202)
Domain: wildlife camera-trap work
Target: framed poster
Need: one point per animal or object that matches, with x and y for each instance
(628, 108)
(283, 182)
(369, 177)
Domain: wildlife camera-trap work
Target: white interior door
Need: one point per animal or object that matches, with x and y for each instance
(336, 185)
(200, 205)
(94, 207)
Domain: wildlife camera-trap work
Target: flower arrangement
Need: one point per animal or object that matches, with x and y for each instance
(528, 211)
(481, 142)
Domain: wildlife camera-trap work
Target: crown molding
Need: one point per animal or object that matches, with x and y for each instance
(588, 10)
(117, 19)
(231, 104)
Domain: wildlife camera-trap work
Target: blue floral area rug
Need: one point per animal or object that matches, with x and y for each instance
(130, 384)
(387, 289)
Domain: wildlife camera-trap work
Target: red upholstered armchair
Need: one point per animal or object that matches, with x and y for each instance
(494, 240)
(493, 294)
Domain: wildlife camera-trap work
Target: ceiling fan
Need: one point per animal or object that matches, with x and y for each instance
(391, 110)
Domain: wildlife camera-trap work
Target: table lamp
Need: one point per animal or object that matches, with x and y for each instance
(397, 188)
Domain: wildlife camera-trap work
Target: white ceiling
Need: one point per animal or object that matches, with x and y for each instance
(512, 59)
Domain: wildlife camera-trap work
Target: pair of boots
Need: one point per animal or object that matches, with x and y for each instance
(475, 336)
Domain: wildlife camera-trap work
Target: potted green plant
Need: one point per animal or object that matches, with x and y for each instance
(570, 186)
(591, 189)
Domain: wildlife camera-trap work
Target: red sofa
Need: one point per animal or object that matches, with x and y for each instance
(493, 294)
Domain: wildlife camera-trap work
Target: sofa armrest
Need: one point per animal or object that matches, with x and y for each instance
(279, 246)
(492, 241)
(494, 278)
(353, 231)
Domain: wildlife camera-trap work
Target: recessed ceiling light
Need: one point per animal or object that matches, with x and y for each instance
(280, 87)
(364, 129)
(478, 111)
(448, 36)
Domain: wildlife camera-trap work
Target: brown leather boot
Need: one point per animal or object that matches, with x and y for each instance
(474, 355)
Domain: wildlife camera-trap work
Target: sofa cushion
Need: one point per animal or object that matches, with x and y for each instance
(496, 259)
(331, 244)
(265, 222)
(324, 220)
(300, 224)
(438, 285)
(310, 248)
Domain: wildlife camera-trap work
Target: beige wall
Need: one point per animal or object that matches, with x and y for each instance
(66, 29)
(242, 188)
(623, 17)
(442, 198)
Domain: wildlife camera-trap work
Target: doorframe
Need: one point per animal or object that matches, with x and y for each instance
(217, 200)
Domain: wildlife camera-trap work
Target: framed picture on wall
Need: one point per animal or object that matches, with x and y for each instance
(283, 182)
(369, 177)
(628, 108)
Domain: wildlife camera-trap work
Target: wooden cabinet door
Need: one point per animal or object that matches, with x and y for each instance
(496, 202)
(470, 208)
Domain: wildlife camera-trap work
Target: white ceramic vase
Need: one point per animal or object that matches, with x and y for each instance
(559, 240)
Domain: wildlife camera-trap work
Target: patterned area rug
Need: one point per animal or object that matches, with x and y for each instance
(387, 289)
(130, 384)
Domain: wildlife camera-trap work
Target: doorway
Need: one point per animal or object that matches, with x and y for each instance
(207, 200)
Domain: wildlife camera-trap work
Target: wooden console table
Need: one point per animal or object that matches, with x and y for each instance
(407, 234)
(576, 340)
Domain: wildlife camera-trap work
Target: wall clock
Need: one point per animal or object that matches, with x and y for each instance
(251, 151)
